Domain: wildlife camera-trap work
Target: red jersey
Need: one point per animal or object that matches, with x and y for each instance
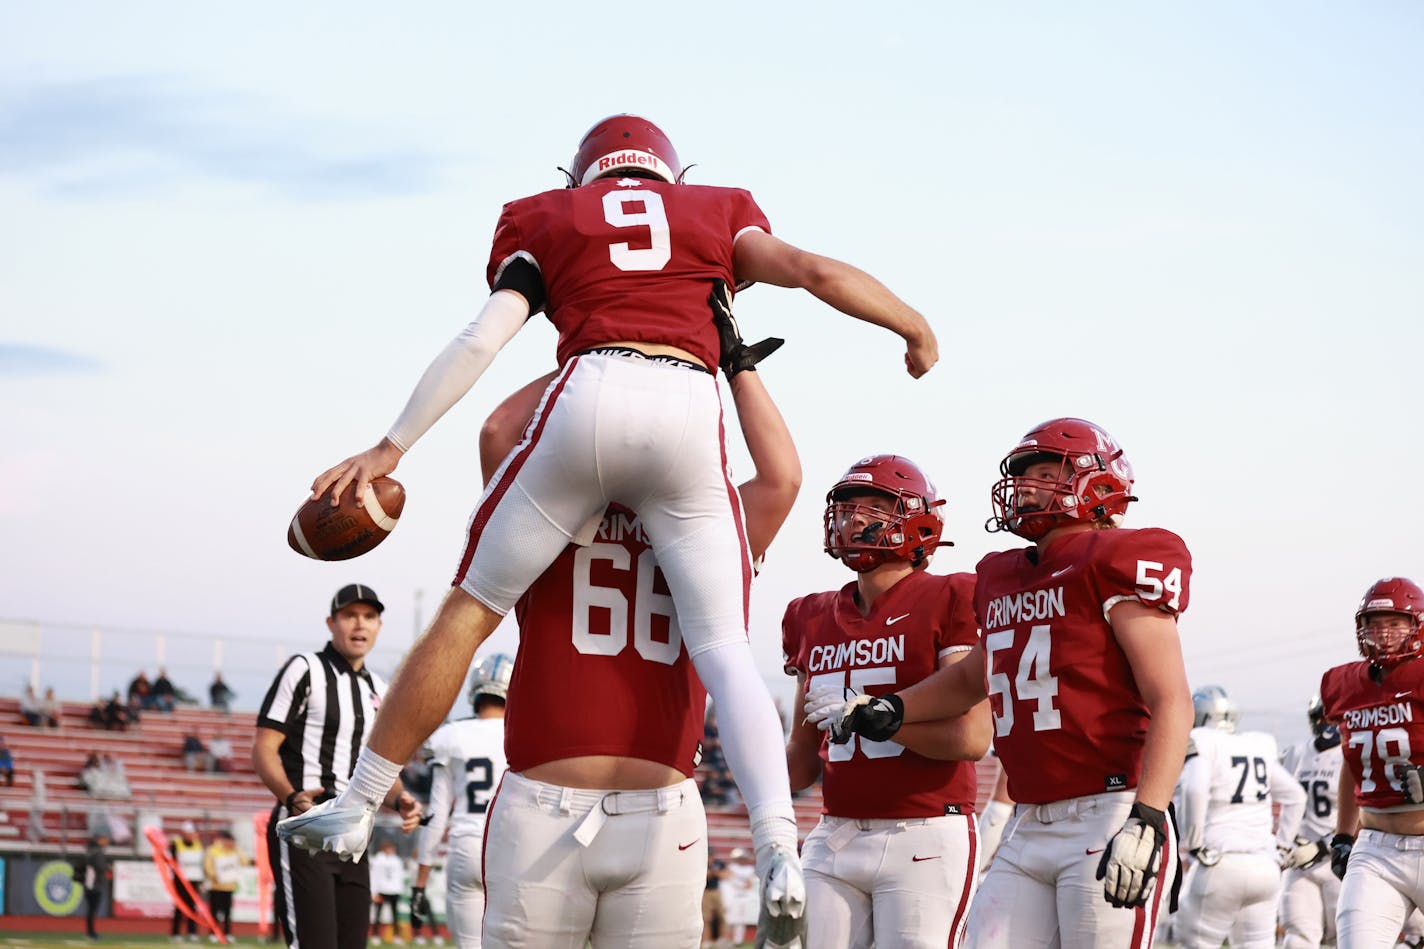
(1068, 718)
(629, 259)
(601, 668)
(911, 625)
(1381, 726)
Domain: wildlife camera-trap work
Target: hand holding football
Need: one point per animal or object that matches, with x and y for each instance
(323, 531)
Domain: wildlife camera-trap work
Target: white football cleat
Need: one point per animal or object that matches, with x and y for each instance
(344, 831)
(781, 921)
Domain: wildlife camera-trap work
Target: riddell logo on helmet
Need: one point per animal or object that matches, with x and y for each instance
(627, 158)
(1380, 604)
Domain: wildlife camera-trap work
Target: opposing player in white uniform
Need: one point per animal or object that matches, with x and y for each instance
(1309, 890)
(893, 861)
(467, 759)
(1229, 783)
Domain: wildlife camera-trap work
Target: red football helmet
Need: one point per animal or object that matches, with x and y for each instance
(909, 532)
(628, 144)
(1392, 595)
(1094, 481)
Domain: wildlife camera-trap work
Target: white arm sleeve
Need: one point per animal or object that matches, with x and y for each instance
(1288, 793)
(442, 792)
(459, 365)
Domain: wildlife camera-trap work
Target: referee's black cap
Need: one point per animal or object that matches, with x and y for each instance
(355, 593)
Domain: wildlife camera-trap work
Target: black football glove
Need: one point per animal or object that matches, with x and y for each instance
(1133, 858)
(736, 356)
(419, 904)
(875, 718)
(1340, 846)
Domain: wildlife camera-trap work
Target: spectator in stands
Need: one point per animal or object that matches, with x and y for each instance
(219, 695)
(187, 853)
(95, 878)
(39, 712)
(387, 883)
(7, 764)
(221, 868)
(140, 693)
(220, 752)
(113, 714)
(164, 695)
(195, 754)
(103, 778)
(50, 709)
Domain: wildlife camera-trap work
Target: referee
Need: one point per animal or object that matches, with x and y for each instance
(313, 723)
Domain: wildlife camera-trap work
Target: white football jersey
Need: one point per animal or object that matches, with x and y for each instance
(1319, 775)
(468, 760)
(1228, 785)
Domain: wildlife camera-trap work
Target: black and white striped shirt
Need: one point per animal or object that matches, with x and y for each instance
(326, 710)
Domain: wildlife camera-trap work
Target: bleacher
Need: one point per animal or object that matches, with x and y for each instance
(151, 752)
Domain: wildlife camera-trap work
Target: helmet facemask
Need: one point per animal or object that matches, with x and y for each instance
(1388, 638)
(1088, 487)
(865, 536)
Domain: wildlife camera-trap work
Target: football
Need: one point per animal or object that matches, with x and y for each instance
(350, 529)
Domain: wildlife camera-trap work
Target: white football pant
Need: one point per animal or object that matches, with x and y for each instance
(1308, 900)
(465, 890)
(1042, 891)
(621, 868)
(1235, 897)
(1383, 885)
(887, 882)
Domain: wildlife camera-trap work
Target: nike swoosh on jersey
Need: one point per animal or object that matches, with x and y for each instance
(891, 621)
(1091, 852)
(919, 859)
(685, 846)
(1403, 695)
(1058, 573)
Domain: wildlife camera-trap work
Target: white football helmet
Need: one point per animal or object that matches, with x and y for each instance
(491, 677)
(1213, 708)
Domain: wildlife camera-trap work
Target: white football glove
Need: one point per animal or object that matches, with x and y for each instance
(781, 920)
(342, 830)
(1304, 854)
(1133, 858)
(1411, 782)
(876, 717)
(824, 703)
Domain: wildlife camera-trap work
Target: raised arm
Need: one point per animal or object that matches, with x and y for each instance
(448, 377)
(762, 258)
(768, 496)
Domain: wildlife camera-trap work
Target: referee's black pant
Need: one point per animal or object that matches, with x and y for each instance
(324, 902)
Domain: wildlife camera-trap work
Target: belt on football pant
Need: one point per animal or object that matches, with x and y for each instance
(605, 804)
(1073, 808)
(1383, 838)
(628, 352)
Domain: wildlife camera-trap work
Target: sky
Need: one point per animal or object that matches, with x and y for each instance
(231, 239)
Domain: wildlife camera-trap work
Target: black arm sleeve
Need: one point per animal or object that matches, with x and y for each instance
(522, 276)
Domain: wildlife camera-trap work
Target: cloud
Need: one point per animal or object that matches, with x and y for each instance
(139, 134)
(19, 359)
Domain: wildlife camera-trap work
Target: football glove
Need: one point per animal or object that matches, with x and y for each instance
(1305, 854)
(1133, 858)
(781, 920)
(877, 718)
(419, 903)
(1340, 846)
(1411, 782)
(736, 355)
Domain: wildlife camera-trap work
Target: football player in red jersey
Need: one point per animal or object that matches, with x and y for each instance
(598, 831)
(623, 263)
(1378, 703)
(1083, 668)
(893, 860)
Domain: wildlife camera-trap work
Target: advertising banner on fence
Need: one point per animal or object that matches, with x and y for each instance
(37, 887)
(139, 892)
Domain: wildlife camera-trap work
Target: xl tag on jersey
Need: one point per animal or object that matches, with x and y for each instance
(1115, 782)
(952, 809)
